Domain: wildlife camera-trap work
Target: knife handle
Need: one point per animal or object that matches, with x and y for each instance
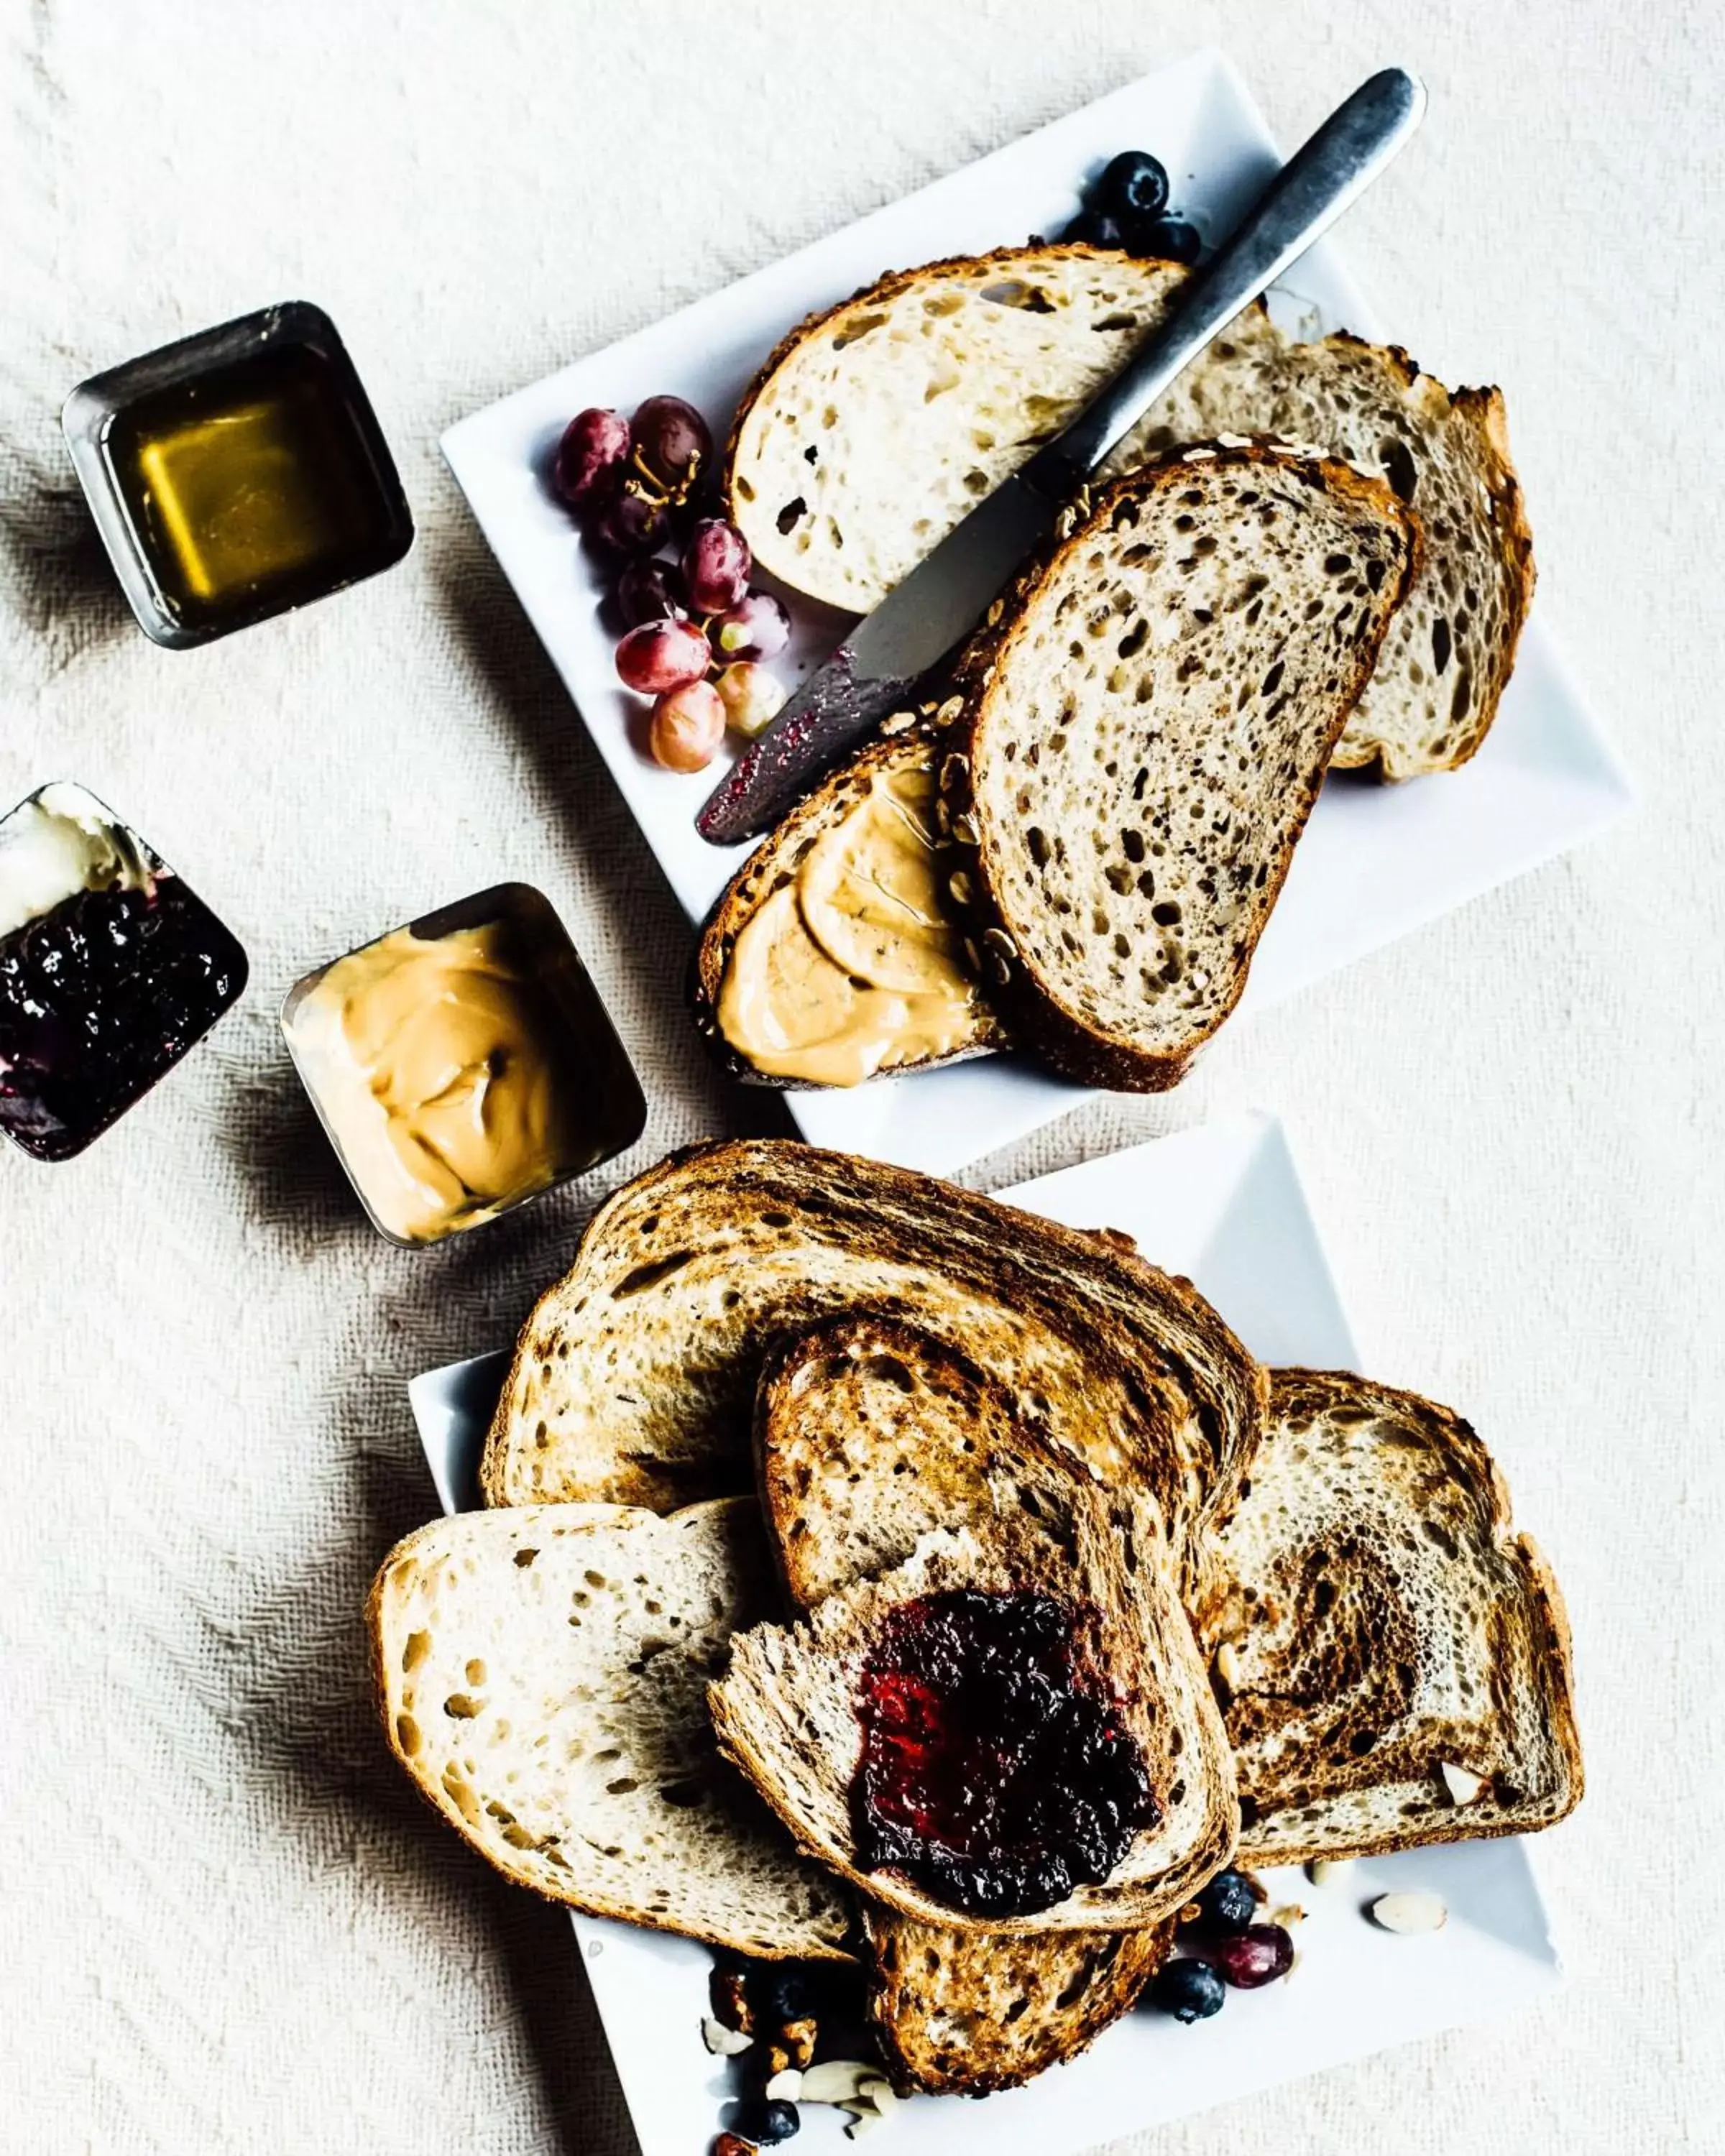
(1305, 199)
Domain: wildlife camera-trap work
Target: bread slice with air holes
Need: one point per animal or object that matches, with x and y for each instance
(1394, 1658)
(872, 429)
(634, 1380)
(785, 1711)
(869, 1434)
(542, 1674)
(1148, 720)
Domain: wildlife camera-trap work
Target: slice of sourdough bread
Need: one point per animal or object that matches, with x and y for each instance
(873, 429)
(1148, 720)
(876, 427)
(542, 1674)
(869, 1434)
(1396, 1658)
(768, 885)
(1448, 653)
(785, 1711)
(959, 2013)
(634, 1381)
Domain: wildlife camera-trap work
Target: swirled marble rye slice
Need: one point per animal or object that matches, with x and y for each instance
(787, 1712)
(542, 1674)
(1146, 721)
(634, 1381)
(1395, 1659)
(873, 427)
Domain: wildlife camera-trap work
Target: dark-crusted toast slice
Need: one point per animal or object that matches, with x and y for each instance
(1148, 718)
(785, 1710)
(965, 2013)
(1394, 1660)
(542, 1674)
(634, 1381)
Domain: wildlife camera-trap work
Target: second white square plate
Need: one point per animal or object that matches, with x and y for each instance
(1223, 1205)
(1375, 862)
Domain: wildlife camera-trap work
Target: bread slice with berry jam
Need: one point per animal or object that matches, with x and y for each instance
(1393, 1657)
(1014, 1731)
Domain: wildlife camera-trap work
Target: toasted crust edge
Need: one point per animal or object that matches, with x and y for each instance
(1070, 1047)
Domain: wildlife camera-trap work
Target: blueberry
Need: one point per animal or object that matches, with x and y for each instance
(764, 2121)
(784, 1994)
(1132, 185)
(1227, 1904)
(1190, 1990)
(1163, 239)
(1091, 228)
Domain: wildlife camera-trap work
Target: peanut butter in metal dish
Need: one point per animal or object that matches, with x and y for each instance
(852, 968)
(446, 1071)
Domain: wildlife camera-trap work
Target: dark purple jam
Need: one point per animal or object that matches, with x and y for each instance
(997, 1773)
(98, 998)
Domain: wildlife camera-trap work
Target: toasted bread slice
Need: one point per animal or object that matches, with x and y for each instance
(786, 1713)
(542, 1674)
(873, 429)
(769, 879)
(869, 1434)
(1148, 721)
(965, 2013)
(1399, 1665)
(634, 1381)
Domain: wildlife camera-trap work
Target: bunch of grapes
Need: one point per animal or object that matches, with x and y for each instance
(695, 633)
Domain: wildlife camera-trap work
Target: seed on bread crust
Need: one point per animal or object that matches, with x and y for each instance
(1461, 1785)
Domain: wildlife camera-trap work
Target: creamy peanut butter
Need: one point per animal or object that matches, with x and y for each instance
(851, 967)
(430, 1060)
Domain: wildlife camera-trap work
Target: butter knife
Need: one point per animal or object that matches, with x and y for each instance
(876, 668)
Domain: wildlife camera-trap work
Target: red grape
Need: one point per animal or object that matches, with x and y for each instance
(661, 655)
(649, 591)
(630, 522)
(688, 724)
(751, 696)
(594, 445)
(757, 627)
(1258, 1955)
(671, 441)
(716, 563)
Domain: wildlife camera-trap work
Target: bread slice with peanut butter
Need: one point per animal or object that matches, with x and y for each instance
(833, 955)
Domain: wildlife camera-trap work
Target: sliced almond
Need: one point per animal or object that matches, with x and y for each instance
(1327, 1870)
(879, 2092)
(864, 2119)
(1463, 1786)
(1287, 1916)
(1409, 1913)
(837, 2081)
(786, 2088)
(722, 2042)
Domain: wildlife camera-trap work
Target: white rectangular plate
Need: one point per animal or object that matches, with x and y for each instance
(1222, 1204)
(1375, 862)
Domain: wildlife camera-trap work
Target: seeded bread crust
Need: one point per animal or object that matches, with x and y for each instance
(634, 1381)
(541, 1673)
(784, 1711)
(773, 862)
(1002, 672)
(1382, 1620)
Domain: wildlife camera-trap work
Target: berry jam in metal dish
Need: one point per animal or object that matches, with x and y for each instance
(110, 969)
(997, 1772)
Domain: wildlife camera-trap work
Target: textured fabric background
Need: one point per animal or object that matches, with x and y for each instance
(227, 1925)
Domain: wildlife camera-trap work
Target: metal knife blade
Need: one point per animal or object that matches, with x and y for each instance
(876, 668)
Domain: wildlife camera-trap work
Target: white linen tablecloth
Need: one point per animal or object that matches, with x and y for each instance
(228, 1925)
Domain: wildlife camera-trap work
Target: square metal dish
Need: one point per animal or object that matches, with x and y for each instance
(1375, 861)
